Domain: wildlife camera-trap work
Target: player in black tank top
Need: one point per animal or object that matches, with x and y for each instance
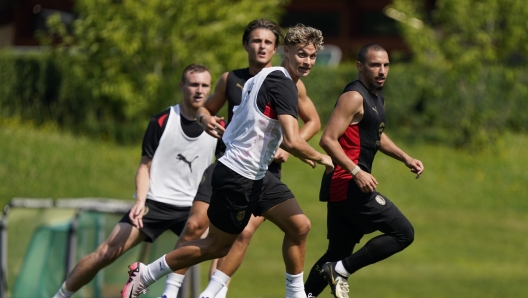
(355, 132)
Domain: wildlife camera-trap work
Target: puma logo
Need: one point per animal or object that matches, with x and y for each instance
(239, 86)
(182, 158)
(289, 280)
(375, 110)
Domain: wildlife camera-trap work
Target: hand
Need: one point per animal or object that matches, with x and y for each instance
(136, 214)
(213, 125)
(416, 166)
(366, 182)
(281, 156)
(327, 162)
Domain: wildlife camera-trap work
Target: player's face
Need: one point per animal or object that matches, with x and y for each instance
(375, 69)
(300, 59)
(260, 47)
(196, 88)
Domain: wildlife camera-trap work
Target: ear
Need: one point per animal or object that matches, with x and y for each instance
(286, 51)
(359, 66)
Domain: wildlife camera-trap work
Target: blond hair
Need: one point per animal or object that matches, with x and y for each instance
(304, 35)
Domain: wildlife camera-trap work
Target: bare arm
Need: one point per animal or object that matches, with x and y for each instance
(389, 148)
(212, 106)
(308, 115)
(349, 110)
(142, 187)
(296, 145)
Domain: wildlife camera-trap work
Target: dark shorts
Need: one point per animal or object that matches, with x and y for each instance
(236, 197)
(356, 217)
(205, 189)
(161, 217)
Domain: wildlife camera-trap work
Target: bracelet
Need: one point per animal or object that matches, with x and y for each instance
(200, 118)
(355, 170)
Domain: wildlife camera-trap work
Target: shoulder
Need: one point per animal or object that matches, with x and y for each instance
(161, 118)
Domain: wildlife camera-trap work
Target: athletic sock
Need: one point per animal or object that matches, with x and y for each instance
(155, 271)
(295, 286)
(339, 268)
(218, 281)
(63, 292)
(172, 285)
(222, 293)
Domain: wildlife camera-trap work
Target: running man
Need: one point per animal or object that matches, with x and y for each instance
(260, 40)
(175, 152)
(242, 186)
(354, 134)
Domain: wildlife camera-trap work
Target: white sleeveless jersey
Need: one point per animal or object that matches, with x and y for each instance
(251, 137)
(179, 163)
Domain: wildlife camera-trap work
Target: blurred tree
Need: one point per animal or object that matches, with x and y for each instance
(130, 53)
(465, 45)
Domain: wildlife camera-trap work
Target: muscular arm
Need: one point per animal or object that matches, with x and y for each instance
(142, 187)
(349, 110)
(389, 148)
(212, 106)
(296, 145)
(307, 113)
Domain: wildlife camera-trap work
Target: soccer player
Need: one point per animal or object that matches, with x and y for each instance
(175, 152)
(354, 134)
(260, 40)
(265, 120)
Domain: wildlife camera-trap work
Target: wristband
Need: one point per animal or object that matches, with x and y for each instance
(355, 170)
(200, 118)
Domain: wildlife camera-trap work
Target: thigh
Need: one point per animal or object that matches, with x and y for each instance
(274, 192)
(340, 226)
(234, 200)
(288, 216)
(123, 237)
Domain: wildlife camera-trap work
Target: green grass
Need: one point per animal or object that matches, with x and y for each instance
(469, 210)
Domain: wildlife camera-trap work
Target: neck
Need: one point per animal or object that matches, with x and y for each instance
(294, 77)
(255, 68)
(369, 87)
(188, 112)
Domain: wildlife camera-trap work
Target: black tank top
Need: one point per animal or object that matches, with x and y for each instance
(360, 142)
(234, 85)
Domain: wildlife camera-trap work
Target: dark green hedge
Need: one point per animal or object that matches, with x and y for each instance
(430, 102)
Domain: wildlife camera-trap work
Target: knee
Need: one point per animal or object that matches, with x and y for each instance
(217, 250)
(301, 228)
(407, 237)
(194, 229)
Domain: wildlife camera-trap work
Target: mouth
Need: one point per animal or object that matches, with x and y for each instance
(304, 69)
(380, 80)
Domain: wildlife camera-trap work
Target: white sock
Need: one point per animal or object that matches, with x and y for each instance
(218, 281)
(155, 271)
(339, 268)
(173, 285)
(295, 286)
(222, 293)
(63, 292)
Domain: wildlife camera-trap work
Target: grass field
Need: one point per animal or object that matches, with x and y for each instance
(469, 210)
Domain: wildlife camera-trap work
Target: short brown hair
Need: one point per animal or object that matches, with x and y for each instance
(262, 24)
(363, 52)
(304, 35)
(193, 68)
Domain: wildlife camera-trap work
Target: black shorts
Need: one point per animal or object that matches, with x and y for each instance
(205, 189)
(357, 217)
(236, 197)
(160, 217)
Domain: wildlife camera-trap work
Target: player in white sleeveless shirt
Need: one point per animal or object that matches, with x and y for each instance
(175, 153)
(266, 118)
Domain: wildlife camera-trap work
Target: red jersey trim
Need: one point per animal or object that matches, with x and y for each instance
(351, 143)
